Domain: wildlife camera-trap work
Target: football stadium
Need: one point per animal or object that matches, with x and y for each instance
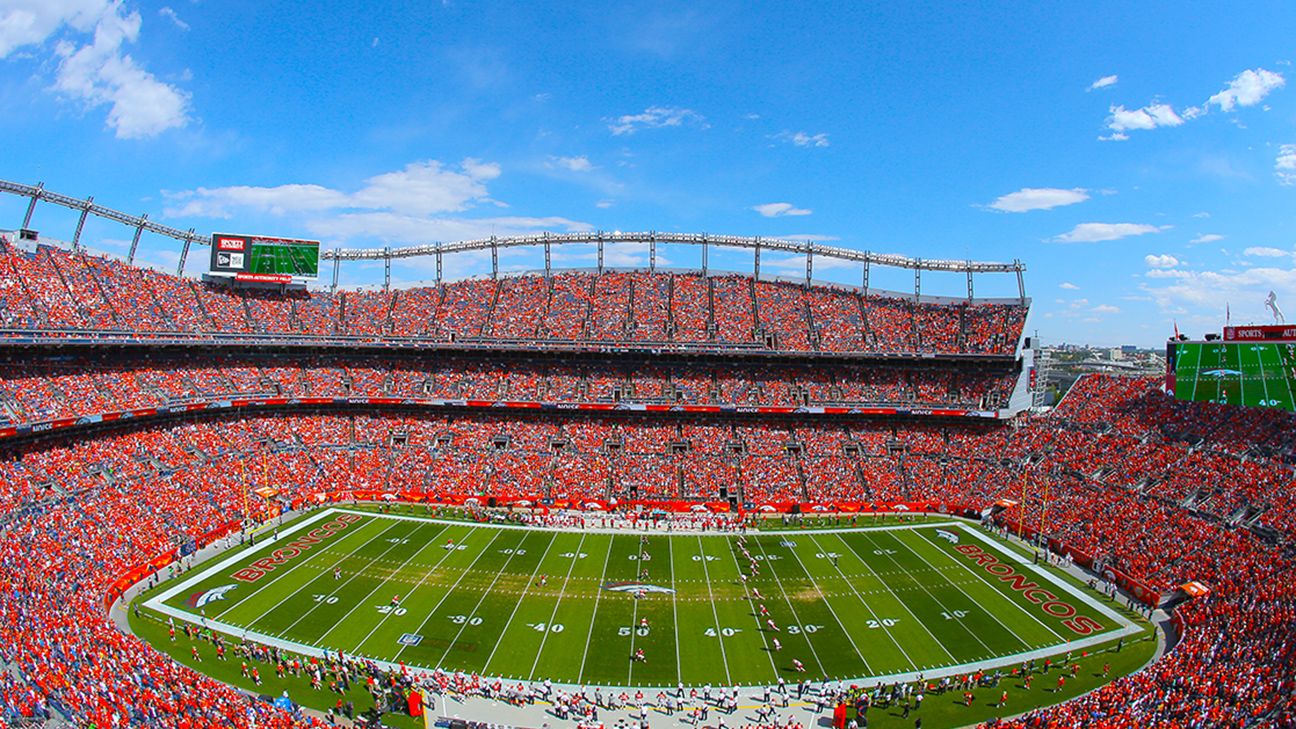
(841, 386)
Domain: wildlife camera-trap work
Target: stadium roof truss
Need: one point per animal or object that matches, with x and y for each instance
(600, 239)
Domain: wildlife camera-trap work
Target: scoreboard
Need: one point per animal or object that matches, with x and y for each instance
(264, 258)
(1251, 373)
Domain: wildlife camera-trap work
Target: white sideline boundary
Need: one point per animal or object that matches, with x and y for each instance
(157, 603)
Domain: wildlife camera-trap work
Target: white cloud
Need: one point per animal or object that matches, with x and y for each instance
(1211, 290)
(1122, 120)
(1207, 238)
(1068, 286)
(1106, 309)
(654, 117)
(780, 209)
(1164, 260)
(1094, 232)
(1039, 198)
(421, 188)
(603, 204)
(170, 14)
(1247, 89)
(1266, 252)
(1285, 164)
(573, 164)
(1202, 214)
(97, 73)
(1103, 82)
(803, 139)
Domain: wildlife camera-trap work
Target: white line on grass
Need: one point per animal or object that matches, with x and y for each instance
(770, 564)
(552, 538)
(769, 652)
(905, 605)
(346, 582)
(845, 631)
(382, 583)
(575, 556)
(408, 598)
(981, 577)
(450, 592)
(1025, 643)
(311, 581)
(718, 629)
(580, 674)
(679, 666)
(865, 603)
(305, 559)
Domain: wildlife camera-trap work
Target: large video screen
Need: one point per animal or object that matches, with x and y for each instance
(1256, 374)
(259, 256)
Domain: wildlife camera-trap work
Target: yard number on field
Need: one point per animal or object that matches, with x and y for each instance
(541, 627)
(326, 599)
(726, 632)
(461, 619)
(391, 610)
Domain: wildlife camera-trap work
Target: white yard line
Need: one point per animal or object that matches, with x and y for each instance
(554, 614)
(580, 674)
(426, 574)
(311, 581)
(553, 538)
(846, 631)
(769, 651)
(345, 582)
(324, 547)
(384, 582)
(450, 592)
(905, 605)
(719, 629)
(1025, 643)
(982, 577)
(679, 665)
(769, 563)
(865, 603)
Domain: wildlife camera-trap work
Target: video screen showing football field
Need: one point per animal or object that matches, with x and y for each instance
(1260, 374)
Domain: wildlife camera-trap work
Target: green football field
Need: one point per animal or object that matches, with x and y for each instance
(574, 607)
(1237, 373)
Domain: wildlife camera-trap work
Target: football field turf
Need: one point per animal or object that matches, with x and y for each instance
(575, 606)
(1259, 374)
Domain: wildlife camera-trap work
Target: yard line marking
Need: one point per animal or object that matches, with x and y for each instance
(1025, 643)
(580, 674)
(904, 604)
(769, 652)
(395, 573)
(348, 580)
(480, 600)
(795, 616)
(575, 556)
(428, 573)
(253, 549)
(980, 577)
(553, 537)
(312, 580)
(716, 615)
(679, 666)
(866, 604)
(451, 590)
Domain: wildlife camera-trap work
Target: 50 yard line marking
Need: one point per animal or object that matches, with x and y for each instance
(545, 636)
(597, 595)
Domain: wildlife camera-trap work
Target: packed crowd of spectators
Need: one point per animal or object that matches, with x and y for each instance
(1163, 491)
(51, 288)
(31, 392)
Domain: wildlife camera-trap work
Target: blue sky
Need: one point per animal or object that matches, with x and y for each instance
(1139, 158)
